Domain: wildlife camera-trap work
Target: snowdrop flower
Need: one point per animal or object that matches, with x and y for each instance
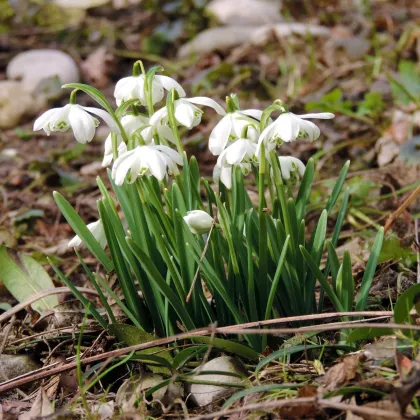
(198, 221)
(290, 165)
(223, 173)
(241, 150)
(146, 160)
(133, 88)
(230, 128)
(97, 230)
(186, 113)
(289, 127)
(78, 118)
(130, 123)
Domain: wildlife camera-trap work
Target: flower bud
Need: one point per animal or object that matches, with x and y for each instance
(198, 221)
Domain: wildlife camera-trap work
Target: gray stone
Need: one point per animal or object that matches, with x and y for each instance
(42, 72)
(205, 394)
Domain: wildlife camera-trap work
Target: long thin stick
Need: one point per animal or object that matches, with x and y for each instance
(58, 290)
(45, 372)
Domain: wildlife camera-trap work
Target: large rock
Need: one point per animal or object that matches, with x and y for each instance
(42, 72)
(227, 37)
(205, 394)
(16, 102)
(246, 12)
(12, 366)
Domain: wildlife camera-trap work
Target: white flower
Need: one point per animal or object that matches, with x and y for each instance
(133, 88)
(230, 127)
(146, 160)
(290, 164)
(130, 123)
(198, 221)
(97, 230)
(241, 150)
(289, 127)
(76, 117)
(186, 113)
(223, 173)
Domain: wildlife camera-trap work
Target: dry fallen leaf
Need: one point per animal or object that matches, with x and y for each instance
(40, 408)
(341, 374)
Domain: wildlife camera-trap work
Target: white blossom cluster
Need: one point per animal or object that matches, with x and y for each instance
(236, 140)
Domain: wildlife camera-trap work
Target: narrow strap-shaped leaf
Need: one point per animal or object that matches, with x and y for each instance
(333, 261)
(155, 276)
(88, 305)
(124, 276)
(322, 280)
(79, 227)
(370, 270)
(252, 298)
(95, 284)
(337, 187)
(304, 190)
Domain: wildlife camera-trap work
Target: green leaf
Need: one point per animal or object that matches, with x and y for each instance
(304, 190)
(322, 279)
(229, 346)
(131, 336)
(77, 224)
(282, 353)
(345, 283)
(257, 390)
(187, 354)
(155, 276)
(24, 277)
(337, 187)
(360, 334)
(370, 271)
(402, 308)
(89, 306)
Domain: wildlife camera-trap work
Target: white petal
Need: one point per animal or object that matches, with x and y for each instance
(321, 115)
(312, 130)
(157, 92)
(220, 135)
(173, 155)
(107, 160)
(202, 100)
(122, 166)
(75, 242)
(82, 123)
(105, 116)
(185, 113)
(165, 131)
(156, 164)
(287, 127)
(236, 152)
(44, 118)
(126, 88)
(168, 83)
(158, 116)
(226, 176)
(253, 113)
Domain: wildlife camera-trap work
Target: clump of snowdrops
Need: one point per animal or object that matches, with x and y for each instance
(189, 251)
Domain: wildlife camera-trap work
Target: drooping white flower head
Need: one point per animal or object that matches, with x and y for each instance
(98, 232)
(240, 151)
(132, 87)
(290, 127)
(77, 118)
(198, 221)
(149, 160)
(230, 128)
(290, 165)
(130, 123)
(224, 174)
(186, 113)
